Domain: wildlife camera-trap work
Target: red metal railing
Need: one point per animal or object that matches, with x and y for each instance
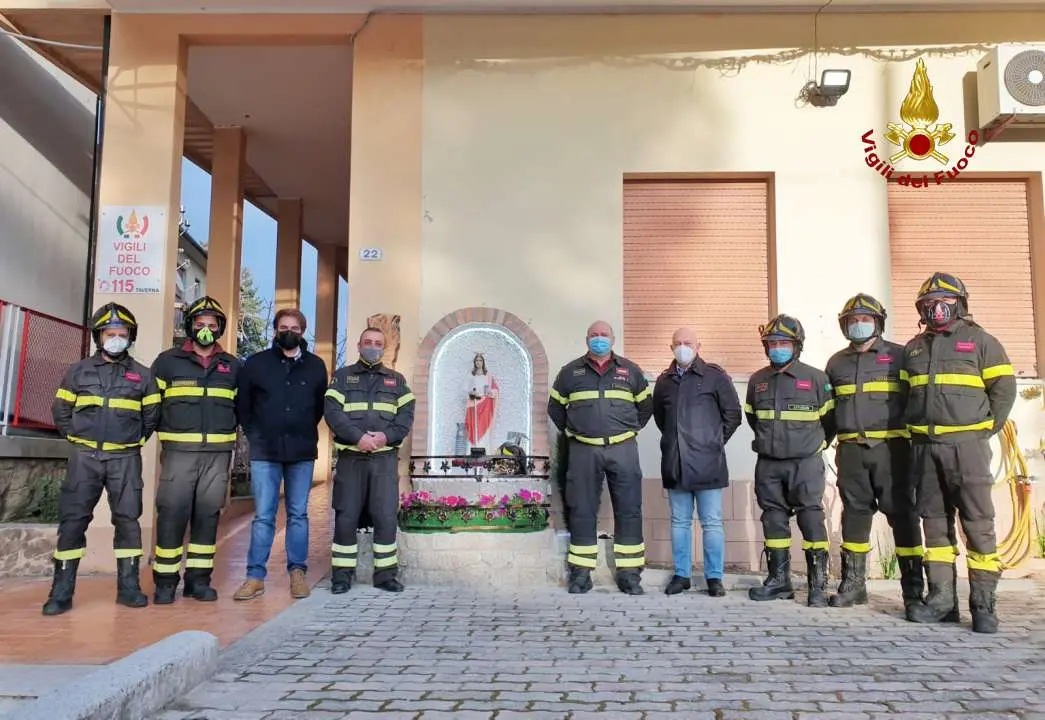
(40, 348)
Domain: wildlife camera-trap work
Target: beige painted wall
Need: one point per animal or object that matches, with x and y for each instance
(523, 159)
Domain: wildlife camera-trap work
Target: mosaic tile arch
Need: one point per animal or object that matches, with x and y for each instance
(452, 342)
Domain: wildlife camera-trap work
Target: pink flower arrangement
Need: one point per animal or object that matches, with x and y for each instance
(423, 498)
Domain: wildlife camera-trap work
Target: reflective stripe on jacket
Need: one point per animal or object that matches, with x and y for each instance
(791, 411)
(368, 398)
(962, 384)
(111, 407)
(199, 403)
(870, 391)
(600, 408)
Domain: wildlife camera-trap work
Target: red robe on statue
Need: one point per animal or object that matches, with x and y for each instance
(478, 415)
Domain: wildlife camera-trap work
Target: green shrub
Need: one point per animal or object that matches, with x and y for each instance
(43, 503)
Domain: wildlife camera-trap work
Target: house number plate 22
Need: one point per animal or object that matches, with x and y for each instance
(370, 254)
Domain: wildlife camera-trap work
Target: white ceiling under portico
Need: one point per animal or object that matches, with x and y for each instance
(296, 116)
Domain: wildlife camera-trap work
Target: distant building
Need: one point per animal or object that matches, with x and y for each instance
(191, 282)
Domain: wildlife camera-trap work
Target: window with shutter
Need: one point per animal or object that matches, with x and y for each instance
(696, 253)
(978, 230)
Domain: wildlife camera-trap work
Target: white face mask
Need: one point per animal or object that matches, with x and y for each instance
(684, 354)
(115, 345)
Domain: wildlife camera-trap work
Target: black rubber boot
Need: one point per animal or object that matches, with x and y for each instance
(912, 582)
(60, 600)
(941, 605)
(677, 585)
(853, 588)
(341, 581)
(777, 585)
(816, 568)
(628, 582)
(128, 585)
(390, 585)
(982, 587)
(166, 593)
(197, 586)
(580, 581)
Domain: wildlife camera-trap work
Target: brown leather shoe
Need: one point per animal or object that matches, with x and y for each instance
(299, 585)
(250, 589)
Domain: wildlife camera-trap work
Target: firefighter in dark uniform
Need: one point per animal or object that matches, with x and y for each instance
(370, 410)
(791, 411)
(601, 401)
(962, 390)
(198, 432)
(874, 452)
(107, 406)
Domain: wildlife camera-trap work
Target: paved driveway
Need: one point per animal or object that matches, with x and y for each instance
(438, 653)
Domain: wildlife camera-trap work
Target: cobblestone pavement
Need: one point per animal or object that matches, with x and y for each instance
(434, 653)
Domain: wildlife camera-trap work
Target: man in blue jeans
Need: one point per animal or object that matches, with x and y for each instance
(280, 404)
(697, 409)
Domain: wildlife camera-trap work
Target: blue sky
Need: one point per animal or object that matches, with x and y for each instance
(259, 243)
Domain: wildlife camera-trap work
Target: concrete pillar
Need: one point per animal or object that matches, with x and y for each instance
(385, 193)
(224, 249)
(141, 167)
(288, 253)
(326, 338)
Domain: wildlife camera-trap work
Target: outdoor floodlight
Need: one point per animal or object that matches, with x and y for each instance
(833, 85)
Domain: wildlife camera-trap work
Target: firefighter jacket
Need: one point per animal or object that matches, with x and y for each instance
(962, 384)
(600, 408)
(870, 390)
(109, 407)
(199, 403)
(368, 398)
(791, 411)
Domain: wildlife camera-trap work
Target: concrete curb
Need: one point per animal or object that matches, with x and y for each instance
(135, 687)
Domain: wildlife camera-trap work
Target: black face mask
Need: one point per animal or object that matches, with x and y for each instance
(288, 340)
(938, 315)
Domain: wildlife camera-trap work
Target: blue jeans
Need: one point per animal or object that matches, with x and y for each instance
(709, 510)
(265, 479)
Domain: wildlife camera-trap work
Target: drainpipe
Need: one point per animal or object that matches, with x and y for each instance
(92, 228)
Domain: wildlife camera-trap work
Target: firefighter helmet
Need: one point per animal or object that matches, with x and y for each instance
(206, 305)
(783, 327)
(113, 315)
(863, 304)
(941, 285)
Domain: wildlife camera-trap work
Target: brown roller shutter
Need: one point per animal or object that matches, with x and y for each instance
(979, 231)
(696, 254)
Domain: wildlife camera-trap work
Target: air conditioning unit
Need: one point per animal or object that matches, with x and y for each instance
(1010, 86)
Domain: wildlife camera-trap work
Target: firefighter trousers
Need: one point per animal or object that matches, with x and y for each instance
(951, 478)
(371, 482)
(191, 493)
(791, 487)
(873, 479)
(587, 465)
(85, 477)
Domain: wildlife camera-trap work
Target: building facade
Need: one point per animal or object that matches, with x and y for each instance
(649, 170)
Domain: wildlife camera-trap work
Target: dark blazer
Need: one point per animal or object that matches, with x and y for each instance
(280, 404)
(697, 413)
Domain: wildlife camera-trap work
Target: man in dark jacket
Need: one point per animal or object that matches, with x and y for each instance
(697, 409)
(280, 404)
